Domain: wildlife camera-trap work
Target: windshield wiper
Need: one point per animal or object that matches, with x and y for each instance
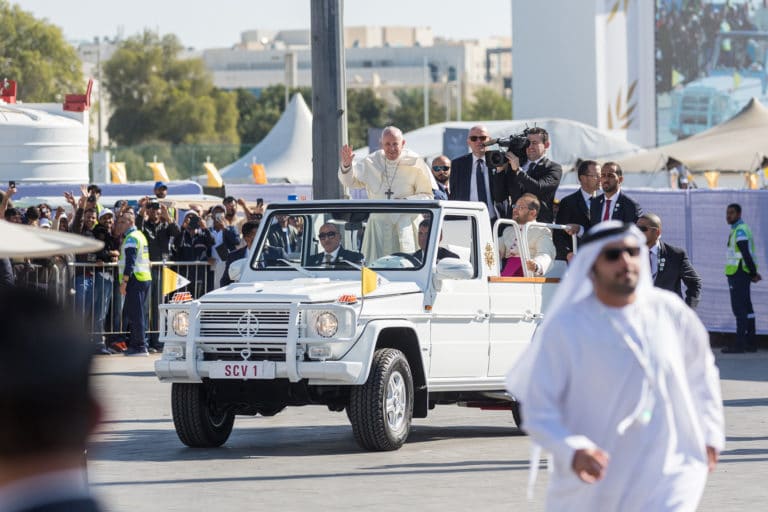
(296, 267)
(353, 265)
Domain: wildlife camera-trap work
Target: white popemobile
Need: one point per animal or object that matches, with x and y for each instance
(296, 330)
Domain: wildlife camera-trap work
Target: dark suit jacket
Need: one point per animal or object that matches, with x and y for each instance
(343, 254)
(573, 210)
(675, 268)
(442, 252)
(625, 209)
(231, 257)
(541, 180)
(459, 184)
(73, 505)
(276, 238)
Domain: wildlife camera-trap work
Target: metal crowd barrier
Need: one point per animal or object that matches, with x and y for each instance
(92, 292)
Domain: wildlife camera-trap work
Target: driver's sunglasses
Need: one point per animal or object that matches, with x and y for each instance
(329, 234)
(441, 168)
(615, 254)
(475, 138)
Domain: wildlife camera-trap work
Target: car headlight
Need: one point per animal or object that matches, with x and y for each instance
(173, 351)
(326, 324)
(180, 323)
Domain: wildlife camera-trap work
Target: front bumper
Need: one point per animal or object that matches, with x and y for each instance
(329, 372)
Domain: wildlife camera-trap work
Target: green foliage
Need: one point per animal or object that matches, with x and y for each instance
(409, 115)
(36, 55)
(158, 96)
(364, 110)
(182, 161)
(489, 105)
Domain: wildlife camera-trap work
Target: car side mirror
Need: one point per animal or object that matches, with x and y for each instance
(454, 268)
(236, 269)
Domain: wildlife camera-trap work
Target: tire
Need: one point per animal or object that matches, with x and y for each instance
(198, 424)
(517, 415)
(381, 409)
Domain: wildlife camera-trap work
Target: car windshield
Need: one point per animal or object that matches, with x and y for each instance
(316, 240)
(743, 51)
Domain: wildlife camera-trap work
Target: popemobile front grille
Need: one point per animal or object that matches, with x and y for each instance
(244, 325)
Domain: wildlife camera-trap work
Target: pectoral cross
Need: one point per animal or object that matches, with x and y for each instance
(389, 193)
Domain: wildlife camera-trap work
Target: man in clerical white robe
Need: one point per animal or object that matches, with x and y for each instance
(392, 172)
(620, 385)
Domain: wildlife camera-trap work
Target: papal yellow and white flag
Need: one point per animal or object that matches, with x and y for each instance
(370, 281)
(214, 177)
(117, 169)
(172, 281)
(158, 171)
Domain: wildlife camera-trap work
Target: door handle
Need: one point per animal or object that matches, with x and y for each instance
(528, 316)
(482, 315)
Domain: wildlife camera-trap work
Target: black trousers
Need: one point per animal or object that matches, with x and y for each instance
(739, 285)
(135, 297)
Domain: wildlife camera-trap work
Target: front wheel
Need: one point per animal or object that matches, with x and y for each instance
(381, 409)
(199, 422)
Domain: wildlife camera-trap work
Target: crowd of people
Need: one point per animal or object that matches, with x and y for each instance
(117, 290)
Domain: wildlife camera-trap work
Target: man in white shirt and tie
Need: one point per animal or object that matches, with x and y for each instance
(613, 204)
(470, 177)
(574, 209)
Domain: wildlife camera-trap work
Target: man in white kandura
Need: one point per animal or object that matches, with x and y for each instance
(392, 172)
(620, 385)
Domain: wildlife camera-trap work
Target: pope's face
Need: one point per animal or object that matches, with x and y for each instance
(617, 269)
(392, 146)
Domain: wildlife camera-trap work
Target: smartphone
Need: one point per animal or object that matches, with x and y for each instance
(194, 222)
(259, 201)
(11, 184)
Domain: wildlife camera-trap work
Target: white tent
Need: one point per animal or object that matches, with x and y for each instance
(571, 140)
(30, 242)
(286, 151)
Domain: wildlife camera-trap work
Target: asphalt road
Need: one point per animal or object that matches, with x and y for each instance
(306, 459)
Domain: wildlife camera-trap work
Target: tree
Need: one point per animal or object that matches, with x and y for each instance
(409, 114)
(156, 95)
(36, 55)
(489, 105)
(364, 110)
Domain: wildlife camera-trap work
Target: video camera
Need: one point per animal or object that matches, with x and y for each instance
(517, 143)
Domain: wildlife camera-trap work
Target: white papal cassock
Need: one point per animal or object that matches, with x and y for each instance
(407, 178)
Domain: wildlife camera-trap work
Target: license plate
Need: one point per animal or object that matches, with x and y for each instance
(243, 370)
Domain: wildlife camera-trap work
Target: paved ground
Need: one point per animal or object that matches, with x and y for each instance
(305, 458)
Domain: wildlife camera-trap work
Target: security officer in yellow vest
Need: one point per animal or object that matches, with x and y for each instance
(135, 281)
(741, 271)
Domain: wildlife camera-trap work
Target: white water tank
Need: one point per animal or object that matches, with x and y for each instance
(41, 142)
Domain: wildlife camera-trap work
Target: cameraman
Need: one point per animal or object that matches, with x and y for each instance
(470, 178)
(539, 176)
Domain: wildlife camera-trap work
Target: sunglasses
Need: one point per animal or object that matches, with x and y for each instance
(256, 215)
(475, 138)
(615, 254)
(441, 168)
(323, 236)
(645, 228)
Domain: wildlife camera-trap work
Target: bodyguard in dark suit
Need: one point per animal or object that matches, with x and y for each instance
(441, 171)
(540, 176)
(47, 406)
(574, 209)
(282, 234)
(669, 264)
(471, 180)
(613, 204)
(333, 253)
(249, 233)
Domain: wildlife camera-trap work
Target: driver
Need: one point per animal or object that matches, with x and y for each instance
(442, 252)
(333, 252)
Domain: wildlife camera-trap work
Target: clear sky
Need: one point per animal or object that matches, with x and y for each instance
(218, 23)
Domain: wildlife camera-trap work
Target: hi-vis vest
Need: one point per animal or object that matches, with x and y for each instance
(136, 238)
(733, 257)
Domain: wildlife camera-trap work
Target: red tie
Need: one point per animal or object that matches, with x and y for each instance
(607, 214)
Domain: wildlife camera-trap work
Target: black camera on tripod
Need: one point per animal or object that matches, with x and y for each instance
(516, 143)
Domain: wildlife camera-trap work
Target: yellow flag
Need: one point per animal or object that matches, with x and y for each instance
(214, 178)
(753, 182)
(370, 281)
(736, 79)
(158, 169)
(259, 174)
(172, 281)
(712, 178)
(117, 169)
(677, 78)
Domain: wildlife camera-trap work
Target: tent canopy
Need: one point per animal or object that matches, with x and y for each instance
(739, 144)
(21, 241)
(286, 151)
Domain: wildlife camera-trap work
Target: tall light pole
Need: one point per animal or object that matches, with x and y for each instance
(426, 92)
(99, 145)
